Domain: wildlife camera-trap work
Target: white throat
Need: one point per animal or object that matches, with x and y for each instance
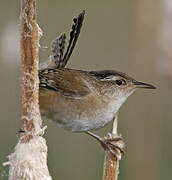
(117, 102)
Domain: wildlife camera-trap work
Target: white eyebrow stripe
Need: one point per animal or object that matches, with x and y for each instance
(110, 78)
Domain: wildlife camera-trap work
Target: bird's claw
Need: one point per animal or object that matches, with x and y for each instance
(114, 144)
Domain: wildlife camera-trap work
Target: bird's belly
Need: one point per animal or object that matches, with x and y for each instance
(79, 122)
(82, 123)
(77, 115)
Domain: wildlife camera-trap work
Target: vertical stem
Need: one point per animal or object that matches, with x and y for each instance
(29, 160)
(111, 163)
(31, 120)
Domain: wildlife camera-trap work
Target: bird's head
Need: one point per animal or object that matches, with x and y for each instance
(119, 85)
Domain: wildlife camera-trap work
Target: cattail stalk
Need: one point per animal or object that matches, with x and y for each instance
(111, 163)
(29, 159)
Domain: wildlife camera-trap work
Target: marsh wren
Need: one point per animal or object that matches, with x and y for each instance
(78, 100)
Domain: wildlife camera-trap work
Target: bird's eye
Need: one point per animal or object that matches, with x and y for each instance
(118, 82)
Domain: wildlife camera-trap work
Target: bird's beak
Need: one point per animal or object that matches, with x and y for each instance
(139, 84)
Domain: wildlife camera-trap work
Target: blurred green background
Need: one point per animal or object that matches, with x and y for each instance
(123, 35)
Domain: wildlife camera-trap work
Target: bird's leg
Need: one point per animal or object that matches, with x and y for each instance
(112, 143)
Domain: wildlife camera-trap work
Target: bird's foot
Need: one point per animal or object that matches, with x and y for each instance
(112, 143)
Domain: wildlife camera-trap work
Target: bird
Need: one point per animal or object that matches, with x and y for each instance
(80, 100)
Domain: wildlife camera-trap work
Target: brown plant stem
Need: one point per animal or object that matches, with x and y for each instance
(29, 160)
(31, 120)
(111, 163)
